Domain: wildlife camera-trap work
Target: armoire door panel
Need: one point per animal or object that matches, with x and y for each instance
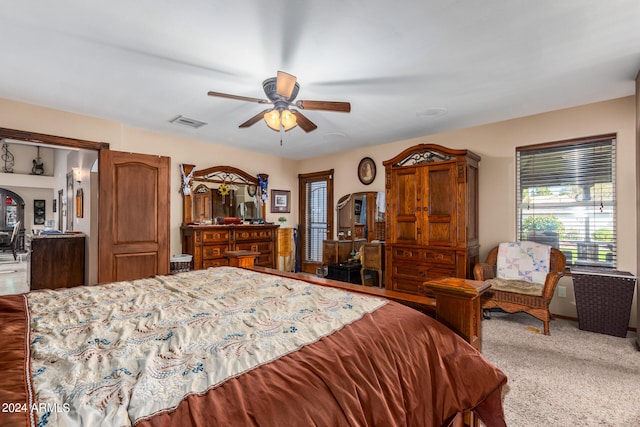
(441, 198)
(407, 206)
(440, 233)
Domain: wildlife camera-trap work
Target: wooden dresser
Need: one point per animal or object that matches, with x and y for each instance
(432, 216)
(208, 243)
(57, 261)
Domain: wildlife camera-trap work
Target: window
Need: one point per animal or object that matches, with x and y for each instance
(566, 196)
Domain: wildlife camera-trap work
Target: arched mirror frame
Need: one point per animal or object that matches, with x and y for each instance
(216, 175)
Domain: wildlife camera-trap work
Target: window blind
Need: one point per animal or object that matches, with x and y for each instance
(566, 197)
(315, 219)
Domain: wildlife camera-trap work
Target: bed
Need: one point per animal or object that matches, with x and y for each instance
(230, 346)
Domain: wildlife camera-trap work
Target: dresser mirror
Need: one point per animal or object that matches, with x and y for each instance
(221, 192)
(356, 215)
(211, 201)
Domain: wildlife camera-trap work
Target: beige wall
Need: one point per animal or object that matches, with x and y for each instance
(281, 172)
(495, 143)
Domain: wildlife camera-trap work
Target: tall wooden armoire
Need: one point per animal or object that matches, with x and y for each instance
(432, 216)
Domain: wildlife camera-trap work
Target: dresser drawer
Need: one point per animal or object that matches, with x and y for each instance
(424, 254)
(262, 247)
(440, 256)
(214, 251)
(212, 236)
(408, 253)
(410, 286)
(215, 262)
(253, 235)
(409, 270)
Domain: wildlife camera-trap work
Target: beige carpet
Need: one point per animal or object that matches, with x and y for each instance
(571, 378)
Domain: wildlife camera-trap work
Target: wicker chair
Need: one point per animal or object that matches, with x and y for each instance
(513, 301)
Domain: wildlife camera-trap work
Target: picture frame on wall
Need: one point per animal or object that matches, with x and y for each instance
(39, 212)
(367, 170)
(69, 204)
(280, 201)
(79, 203)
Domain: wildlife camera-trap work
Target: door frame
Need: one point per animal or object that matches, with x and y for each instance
(61, 142)
(305, 266)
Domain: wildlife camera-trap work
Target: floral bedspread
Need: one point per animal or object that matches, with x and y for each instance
(113, 354)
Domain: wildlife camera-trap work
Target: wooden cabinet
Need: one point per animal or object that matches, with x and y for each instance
(209, 243)
(57, 261)
(432, 216)
(286, 249)
(337, 251)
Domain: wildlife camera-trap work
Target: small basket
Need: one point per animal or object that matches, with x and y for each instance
(180, 263)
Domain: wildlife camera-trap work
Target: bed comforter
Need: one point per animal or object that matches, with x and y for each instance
(232, 347)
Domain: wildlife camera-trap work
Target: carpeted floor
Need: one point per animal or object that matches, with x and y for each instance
(570, 378)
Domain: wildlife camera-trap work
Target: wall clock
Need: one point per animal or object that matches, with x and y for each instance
(366, 170)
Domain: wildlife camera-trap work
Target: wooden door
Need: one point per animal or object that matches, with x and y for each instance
(315, 195)
(441, 196)
(133, 216)
(405, 206)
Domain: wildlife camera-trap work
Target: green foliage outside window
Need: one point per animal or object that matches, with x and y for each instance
(543, 223)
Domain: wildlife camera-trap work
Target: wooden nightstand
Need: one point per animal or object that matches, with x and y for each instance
(241, 258)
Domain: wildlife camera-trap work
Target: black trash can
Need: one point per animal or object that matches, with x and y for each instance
(603, 299)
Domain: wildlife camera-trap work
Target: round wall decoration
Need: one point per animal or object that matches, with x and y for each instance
(367, 170)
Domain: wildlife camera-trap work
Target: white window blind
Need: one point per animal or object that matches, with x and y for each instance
(315, 220)
(566, 195)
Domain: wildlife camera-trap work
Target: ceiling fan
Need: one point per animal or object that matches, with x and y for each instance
(281, 91)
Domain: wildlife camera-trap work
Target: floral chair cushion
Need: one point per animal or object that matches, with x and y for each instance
(517, 286)
(524, 261)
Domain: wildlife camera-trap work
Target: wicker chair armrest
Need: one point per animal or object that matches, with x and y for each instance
(550, 284)
(484, 271)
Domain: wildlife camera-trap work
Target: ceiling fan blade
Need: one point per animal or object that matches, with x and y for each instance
(239, 98)
(255, 119)
(304, 123)
(344, 107)
(285, 83)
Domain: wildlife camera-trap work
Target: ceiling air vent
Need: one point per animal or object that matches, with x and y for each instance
(185, 121)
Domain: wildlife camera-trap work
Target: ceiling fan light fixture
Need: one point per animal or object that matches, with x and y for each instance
(288, 119)
(281, 92)
(272, 119)
(276, 119)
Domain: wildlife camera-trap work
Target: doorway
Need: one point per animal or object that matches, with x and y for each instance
(316, 217)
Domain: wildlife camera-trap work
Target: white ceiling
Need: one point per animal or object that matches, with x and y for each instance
(409, 68)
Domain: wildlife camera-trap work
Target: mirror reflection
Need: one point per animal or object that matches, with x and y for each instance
(212, 201)
(357, 216)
